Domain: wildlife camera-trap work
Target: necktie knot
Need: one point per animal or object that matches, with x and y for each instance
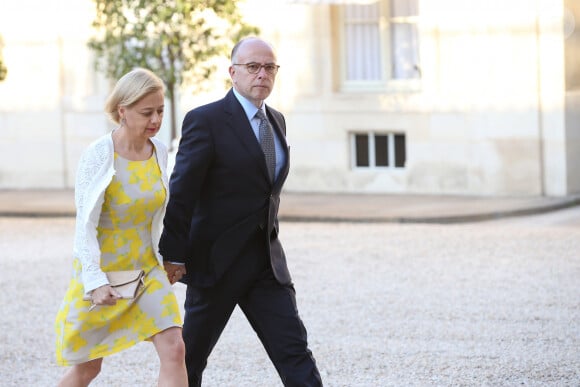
(260, 114)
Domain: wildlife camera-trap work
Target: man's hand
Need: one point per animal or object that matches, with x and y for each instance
(174, 271)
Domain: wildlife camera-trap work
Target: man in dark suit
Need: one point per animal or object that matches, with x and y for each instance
(221, 224)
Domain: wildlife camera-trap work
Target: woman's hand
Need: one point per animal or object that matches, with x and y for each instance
(174, 271)
(104, 295)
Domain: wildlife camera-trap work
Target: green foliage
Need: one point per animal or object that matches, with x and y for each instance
(176, 39)
(3, 69)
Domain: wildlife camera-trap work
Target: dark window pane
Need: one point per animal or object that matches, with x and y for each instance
(362, 150)
(381, 150)
(400, 151)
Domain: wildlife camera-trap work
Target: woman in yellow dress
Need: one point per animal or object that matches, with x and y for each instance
(120, 196)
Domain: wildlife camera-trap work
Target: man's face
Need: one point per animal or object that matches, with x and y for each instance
(255, 87)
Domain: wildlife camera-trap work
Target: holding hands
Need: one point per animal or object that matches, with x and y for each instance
(174, 271)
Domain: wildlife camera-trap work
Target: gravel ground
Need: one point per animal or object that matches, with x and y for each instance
(384, 305)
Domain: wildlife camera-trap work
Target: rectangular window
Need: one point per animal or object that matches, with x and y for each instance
(362, 150)
(363, 43)
(379, 43)
(404, 39)
(379, 150)
(400, 151)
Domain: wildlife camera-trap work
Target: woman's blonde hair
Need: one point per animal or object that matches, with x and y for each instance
(130, 89)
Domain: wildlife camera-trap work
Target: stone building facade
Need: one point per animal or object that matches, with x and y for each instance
(389, 96)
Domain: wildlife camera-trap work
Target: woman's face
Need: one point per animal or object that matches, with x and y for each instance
(143, 119)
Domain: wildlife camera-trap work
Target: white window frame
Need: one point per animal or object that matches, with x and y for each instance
(386, 83)
(371, 149)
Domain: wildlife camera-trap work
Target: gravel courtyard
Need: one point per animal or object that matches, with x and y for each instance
(385, 305)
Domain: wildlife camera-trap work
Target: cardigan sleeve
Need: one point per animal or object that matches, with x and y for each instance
(91, 176)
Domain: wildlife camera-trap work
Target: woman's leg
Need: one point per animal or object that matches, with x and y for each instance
(81, 375)
(171, 351)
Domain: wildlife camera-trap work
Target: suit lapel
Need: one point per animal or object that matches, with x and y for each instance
(239, 124)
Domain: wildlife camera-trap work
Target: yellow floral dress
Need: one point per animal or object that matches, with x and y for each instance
(124, 235)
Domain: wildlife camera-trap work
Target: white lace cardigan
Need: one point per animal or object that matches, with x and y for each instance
(95, 171)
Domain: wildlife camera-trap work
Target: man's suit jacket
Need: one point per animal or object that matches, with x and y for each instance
(220, 193)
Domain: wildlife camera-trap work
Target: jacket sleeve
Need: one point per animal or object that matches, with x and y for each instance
(192, 161)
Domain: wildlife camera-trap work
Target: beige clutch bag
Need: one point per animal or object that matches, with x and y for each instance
(127, 282)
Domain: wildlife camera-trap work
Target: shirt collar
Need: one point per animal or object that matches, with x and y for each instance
(249, 108)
